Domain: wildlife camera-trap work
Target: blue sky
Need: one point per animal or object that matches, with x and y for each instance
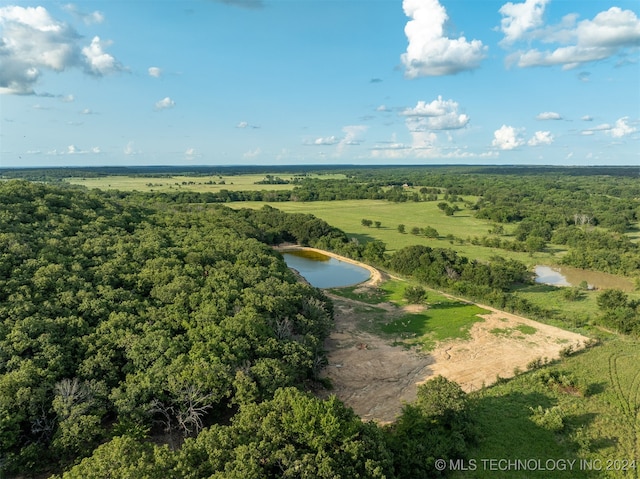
(319, 81)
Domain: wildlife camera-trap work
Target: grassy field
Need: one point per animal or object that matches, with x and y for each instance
(443, 318)
(600, 425)
(188, 183)
(347, 215)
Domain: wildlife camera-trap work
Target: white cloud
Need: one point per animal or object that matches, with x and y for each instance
(86, 111)
(548, 115)
(327, 140)
(74, 150)
(33, 41)
(587, 118)
(383, 108)
(165, 103)
(430, 52)
(87, 18)
(438, 115)
(130, 149)
(609, 33)
(252, 153)
(155, 72)
(352, 134)
(622, 128)
(99, 62)
(507, 138)
(541, 138)
(520, 18)
(67, 98)
(191, 153)
(245, 124)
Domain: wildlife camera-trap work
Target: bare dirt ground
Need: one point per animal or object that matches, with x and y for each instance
(376, 378)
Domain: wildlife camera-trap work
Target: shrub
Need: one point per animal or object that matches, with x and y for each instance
(415, 294)
(551, 419)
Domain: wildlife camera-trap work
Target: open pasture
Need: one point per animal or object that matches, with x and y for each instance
(348, 214)
(201, 184)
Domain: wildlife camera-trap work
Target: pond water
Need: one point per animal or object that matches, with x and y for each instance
(568, 276)
(323, 271)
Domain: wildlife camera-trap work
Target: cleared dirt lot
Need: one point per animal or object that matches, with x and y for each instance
(375, 378)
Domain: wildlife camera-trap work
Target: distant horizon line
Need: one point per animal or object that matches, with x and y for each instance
(321, 165)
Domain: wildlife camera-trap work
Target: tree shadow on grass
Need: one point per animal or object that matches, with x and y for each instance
(507, 432)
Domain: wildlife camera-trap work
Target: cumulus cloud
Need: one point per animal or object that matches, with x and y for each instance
(622, 128)
(165, 103)
(155, 72)
(430, 52)
(191, 153)
(587, 118)
(98, 62)
(353, 134)
(74, 150)
(130, 149)
(437, 115)
(548, 115)
(252, 153)
(33, 41)
(541, 138)
(246, 124)
(507, 138)
(87, 18)
(520, 18)
(609, 33)
(326, 140)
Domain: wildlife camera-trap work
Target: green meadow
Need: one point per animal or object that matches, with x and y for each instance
(590, 416)
(201, 184)
(348, 214)
(442, 319)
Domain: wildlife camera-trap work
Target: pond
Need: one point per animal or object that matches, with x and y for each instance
(568, 276)
(323, 271)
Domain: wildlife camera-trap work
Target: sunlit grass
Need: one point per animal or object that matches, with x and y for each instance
(348, 215)
(200, 184)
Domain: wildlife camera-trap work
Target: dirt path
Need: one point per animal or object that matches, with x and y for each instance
(376, 378)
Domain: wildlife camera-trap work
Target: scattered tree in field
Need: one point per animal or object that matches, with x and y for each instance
(366, 222)
(573, 293)
(401, 228)
(415, 230)
(611, 299)
(377, 224)
(415, 294)
(430, 232)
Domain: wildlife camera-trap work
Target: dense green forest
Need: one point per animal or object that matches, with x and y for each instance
(127, 323)
(586, 209)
